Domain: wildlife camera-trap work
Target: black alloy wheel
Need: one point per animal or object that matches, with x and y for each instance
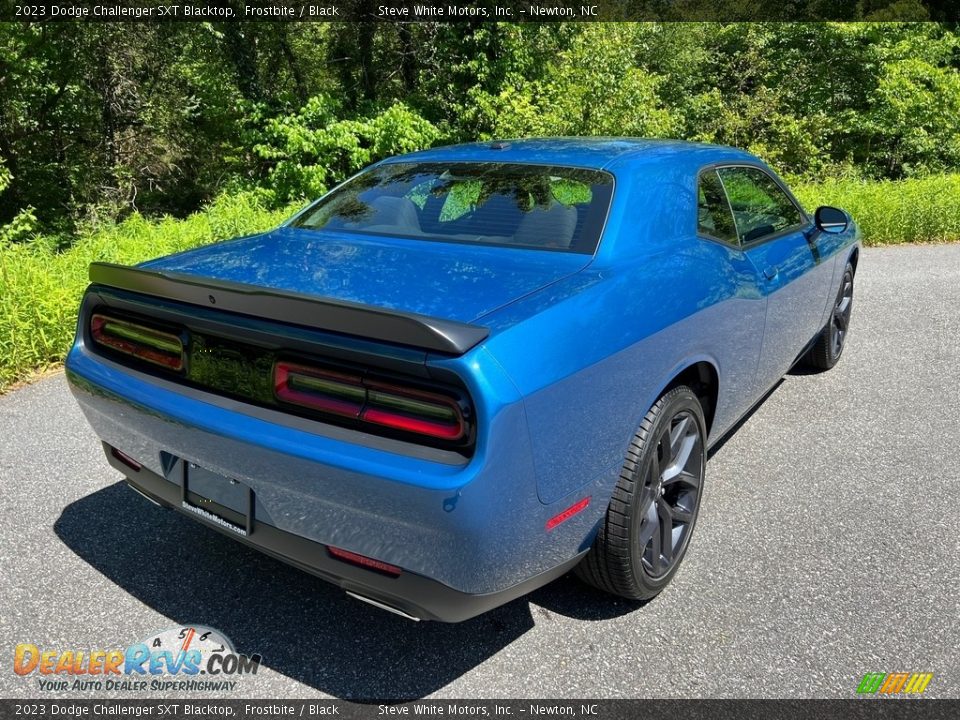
(671, 494)
(653, 510)
(841, 315)
(828, 348)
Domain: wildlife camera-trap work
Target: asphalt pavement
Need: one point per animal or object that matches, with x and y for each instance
(828, 546)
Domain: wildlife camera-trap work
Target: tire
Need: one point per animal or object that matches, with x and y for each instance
(627, 557)
(828, 348)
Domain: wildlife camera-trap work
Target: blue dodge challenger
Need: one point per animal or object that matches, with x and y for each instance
(467, 371)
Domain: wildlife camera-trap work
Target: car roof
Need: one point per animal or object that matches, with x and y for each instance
(607, 153)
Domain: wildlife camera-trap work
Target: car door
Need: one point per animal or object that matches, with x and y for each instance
(738, 328)
(772, 230)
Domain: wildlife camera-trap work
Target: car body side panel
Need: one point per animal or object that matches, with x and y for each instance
(585, 398)
(796, 284)
(611, 337)
(837, 249)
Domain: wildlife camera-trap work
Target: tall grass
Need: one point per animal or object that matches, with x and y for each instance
(40, 289)
(924, 210)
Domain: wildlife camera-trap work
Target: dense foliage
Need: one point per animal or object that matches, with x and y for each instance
(99, 120)
(110, 131)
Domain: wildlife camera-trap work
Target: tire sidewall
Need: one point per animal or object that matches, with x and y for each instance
(673, 402)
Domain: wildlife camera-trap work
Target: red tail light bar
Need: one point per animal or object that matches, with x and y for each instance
(139, 341)
(439, 417)
(323, 390)
(412, 410)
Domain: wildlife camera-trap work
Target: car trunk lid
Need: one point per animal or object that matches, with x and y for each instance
(456, 281)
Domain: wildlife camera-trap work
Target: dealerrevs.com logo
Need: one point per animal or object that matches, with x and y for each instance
(180, 659)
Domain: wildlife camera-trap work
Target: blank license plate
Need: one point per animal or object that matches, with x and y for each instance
(217, 498)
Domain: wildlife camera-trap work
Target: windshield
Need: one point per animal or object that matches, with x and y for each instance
(530, 206)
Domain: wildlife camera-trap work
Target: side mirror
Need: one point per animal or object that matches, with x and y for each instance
(831, 220)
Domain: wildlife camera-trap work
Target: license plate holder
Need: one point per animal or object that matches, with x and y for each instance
(217, 498)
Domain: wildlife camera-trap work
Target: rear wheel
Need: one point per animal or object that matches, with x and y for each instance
(829, 346)
(654, 507)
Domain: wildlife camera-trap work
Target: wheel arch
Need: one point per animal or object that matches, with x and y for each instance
(702, 377)
(854, 259)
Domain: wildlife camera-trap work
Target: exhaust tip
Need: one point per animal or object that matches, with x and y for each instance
(145, 496)
(382, 606)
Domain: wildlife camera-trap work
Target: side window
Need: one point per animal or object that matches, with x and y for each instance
(760, 207)
(713, 211)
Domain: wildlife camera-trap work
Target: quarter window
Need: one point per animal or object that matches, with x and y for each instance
(713, 212)
(760, 207)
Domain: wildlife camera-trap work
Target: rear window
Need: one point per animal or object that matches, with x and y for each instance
(529, 206)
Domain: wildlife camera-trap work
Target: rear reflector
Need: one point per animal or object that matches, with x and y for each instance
(363, 561)
(568, 513)
(411, 410)
(153, 346)
(126, 459)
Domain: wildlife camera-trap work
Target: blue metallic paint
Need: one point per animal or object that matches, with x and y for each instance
(579, 348)
(429, 278)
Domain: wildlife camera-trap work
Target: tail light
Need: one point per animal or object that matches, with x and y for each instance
(148, 344)
(322, 390)
(352, 396)
(411, 410)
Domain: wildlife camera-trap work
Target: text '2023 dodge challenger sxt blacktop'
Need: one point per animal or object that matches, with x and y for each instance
(468, 370)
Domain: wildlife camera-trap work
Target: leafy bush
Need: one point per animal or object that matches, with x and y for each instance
(597, 86)
(24, 224)
(309, 151)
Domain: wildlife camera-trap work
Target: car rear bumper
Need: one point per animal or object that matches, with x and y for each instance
(408, 594)
(467, 536)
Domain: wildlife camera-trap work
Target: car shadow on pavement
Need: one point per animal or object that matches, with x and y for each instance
(577, 600)
(302, 627)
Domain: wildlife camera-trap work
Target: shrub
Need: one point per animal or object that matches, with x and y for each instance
(311, 150)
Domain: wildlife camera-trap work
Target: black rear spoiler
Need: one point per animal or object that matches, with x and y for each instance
(420, 331)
